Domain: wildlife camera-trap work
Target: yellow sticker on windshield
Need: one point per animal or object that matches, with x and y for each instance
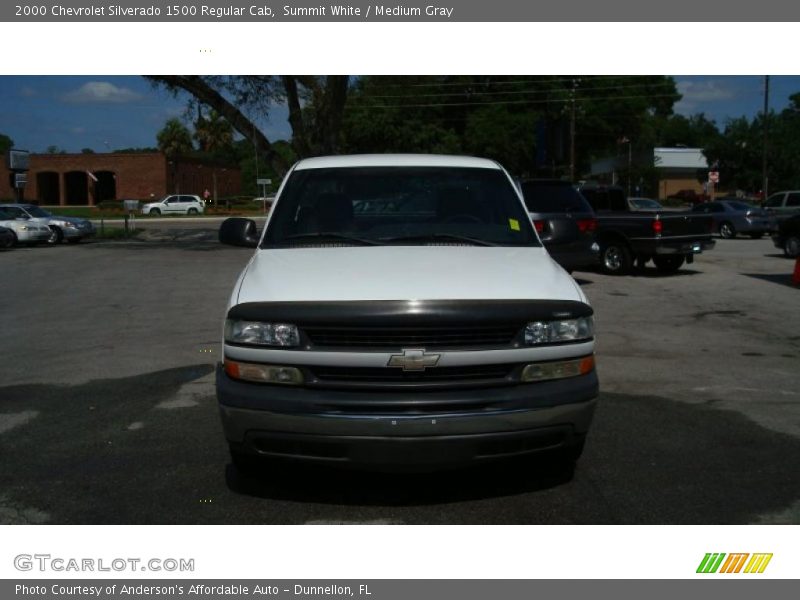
(514, 224)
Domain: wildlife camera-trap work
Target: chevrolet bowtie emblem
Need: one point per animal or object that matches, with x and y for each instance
(414, 360)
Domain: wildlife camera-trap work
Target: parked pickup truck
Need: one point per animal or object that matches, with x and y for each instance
(400, 311)
(627, 237)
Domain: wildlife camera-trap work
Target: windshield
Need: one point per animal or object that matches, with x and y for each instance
(741, 206)
(37, 212)
(553, 197)
(408, 205)
(645, 203)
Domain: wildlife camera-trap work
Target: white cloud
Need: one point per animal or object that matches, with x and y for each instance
(702, 91)
(101, 92)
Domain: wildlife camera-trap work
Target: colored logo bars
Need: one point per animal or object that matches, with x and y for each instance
(713, 563)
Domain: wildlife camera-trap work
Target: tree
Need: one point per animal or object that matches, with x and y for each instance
(174, 139)
(6, 143)
(316, 106)
(523, 121)
(87, 151)
(213, 133)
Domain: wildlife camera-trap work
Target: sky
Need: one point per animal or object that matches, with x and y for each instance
(112, 112)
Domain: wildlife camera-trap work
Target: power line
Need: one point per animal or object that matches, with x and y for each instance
(552, 79)
(500, 93)
(501, 102)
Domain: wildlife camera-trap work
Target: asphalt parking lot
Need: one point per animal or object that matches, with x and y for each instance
(108, 415)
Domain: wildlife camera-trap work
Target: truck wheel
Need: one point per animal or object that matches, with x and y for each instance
(55, 236)
(727, 231)
(192, 211)
(668, 264)
(615, 258)
(791, 247)
(9, 243)
(155, 211)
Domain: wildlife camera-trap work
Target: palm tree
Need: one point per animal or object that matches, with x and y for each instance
(213, 132)
(174, 139)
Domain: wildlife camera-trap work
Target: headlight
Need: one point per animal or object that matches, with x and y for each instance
(568, 330)
(261, 334)
(24, 228)
(263, 373)
(72, 225)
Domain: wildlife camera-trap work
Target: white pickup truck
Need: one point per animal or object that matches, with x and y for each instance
(400, 310)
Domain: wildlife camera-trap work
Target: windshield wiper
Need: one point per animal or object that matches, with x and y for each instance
(438, 236)
(299, 237)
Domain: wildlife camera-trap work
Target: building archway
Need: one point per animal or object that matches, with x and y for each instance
(48, 187)
(105, 188)
(76, 186)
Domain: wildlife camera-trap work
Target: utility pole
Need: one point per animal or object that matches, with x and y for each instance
(764, 173)
(572, 132)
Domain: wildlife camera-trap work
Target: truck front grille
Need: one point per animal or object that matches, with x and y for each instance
(398, 376)
(402, 337)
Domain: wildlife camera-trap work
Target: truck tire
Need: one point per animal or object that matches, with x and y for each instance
(668, 264)
(727, 231)
(615, 257)
(791, 247)
(192, 211)
(155, 211)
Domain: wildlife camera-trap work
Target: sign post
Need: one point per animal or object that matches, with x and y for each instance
(264, 183)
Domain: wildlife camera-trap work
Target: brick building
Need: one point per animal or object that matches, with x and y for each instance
(81, 179)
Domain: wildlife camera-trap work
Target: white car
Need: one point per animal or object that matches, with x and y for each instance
(175, 204)
(401, 311)
(26, 230)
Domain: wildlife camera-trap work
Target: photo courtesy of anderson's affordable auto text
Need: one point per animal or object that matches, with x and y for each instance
(524, 298)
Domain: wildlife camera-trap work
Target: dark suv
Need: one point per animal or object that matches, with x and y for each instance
(564, 221)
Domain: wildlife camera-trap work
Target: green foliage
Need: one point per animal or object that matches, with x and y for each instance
(174, 139)
(245, 156)
(507, 136)
(518, 121)
(213, 133)
(147, 150)
(6, 143)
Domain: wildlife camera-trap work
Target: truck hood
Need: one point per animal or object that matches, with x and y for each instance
(404, 273)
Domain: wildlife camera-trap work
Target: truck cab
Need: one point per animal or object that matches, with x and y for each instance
(400, 310)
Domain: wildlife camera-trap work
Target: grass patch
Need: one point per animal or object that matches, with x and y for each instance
(84, 212)
(115, 233)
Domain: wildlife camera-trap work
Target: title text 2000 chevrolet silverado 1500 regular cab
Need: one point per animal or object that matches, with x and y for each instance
(400, 311)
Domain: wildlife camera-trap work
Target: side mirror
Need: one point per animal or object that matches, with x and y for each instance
(239, 232)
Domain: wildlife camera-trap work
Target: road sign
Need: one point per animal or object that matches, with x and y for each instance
(264, 181)
(713, 176)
